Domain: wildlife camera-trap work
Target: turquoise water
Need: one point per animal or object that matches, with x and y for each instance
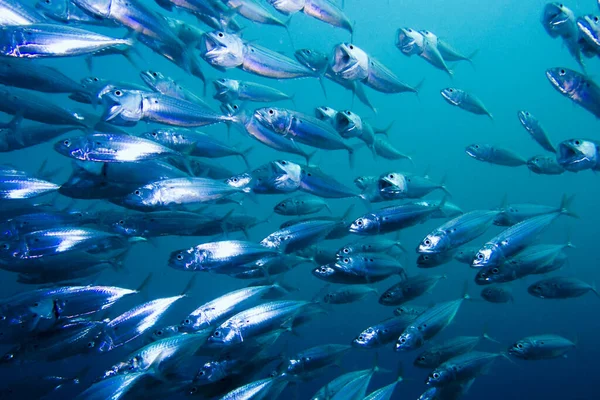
(507, 75)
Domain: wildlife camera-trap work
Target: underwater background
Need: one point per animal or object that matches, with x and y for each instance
(508, 74)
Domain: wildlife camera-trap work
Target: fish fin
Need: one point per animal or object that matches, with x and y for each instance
(190, 285)
(322, 83)
(465, 293)
(471, 56)
(145, 283)
(419, 86)
(348, 212)
(244, 154)
(484, 334)
(443, 185)
(328, 208)
(292, 98)
(565, 206)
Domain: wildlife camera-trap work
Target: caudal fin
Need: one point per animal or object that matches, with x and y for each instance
(565, 206)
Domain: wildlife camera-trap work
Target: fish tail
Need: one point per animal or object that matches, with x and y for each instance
(565, 206)
(465, 293)
(484, 335)
(348, 212)
(385, 130)
(244, 154)
(322, 83)
(594, 289)
(351, 157)
(419, 86)
(443, 186)
(470, 57)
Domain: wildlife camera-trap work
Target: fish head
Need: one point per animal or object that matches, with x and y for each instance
(478, 151)
(287, 7)
(589, 28)
(226, 89)
(557, 18)
(540, 289)
(312, 59)
(577, 154)
(410, 339)
(345, 251)
(187, 260)
(452, 95)
(165, 332)
(212, 371)
(409, 41)
(126, 227)
(521, 348)
(329, 298)
(362, 182)
(224, 336)
(56, 8)
(165, 137)
(324, 272)
(288, 175)
(348, 124)
(221, 49)
(440, 376)
(140, 197)
(486, 256)
(350, 62)
(325, 113)
(489, 275)
(538, 163)
(392, 296)
(566, 81)
(392, 185)
(285, 207)
(152, 78)
(240, 181)
(276, 119)
(432, 243)
(526, 118)
(365, 225)
(367, 338)
(430, 260)
(74, 147)
(429, 36)
(466, 255)
(427, 359)
(123, 107)
(192, 323)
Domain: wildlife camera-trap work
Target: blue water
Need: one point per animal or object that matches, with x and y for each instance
(508, 75)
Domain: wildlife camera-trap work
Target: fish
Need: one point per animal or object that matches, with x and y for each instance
(301, 205)
(428, 324)
(175, 192)
(545, 165)
(463, 367)
(409, 41)
(322, 10)
(410, 310)
(218, 255)
(392, 219)
(541, 347)
(279, 176)
(350, 62)
(313, 360)
(409, 289)
(385, 149)
(579, 88)
(396, 185)
(458, 231)
(14, 138)
(439, 353)
(128, 107)
(497, 294)
(535, 130)
(576, 155)
(589, 32)
(22, 186)
(559, 21)
(517, 237)
(299, 235)
(352, 385)
(433, 260)
(22, 74)
(106, 147)
(231, 90)
(360, 269)
(261, 389)
(371, 245)
(318, 183)
(195, 143)
(255, 12)
(350, 125)
(495, 155)
(431, 52)
(169, 87)
(511, 214)
(349, 294)
(466, 254)
(560, 288)
(53, 40)
(465, 100)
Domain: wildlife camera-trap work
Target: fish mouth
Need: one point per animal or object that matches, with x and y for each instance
(343, 122)
(342, 58)
(470, 151)
(585, 26)
(552, 76)
(148, 77)
(569, 154)
(523, 117)
(211, 45)
(448, 98)
(322, 113)
(387, 186)
(220, 87)
(404, 41)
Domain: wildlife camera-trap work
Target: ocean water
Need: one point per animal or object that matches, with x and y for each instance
(508, 74)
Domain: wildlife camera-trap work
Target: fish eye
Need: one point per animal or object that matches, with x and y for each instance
(361, 337)
(435, 375)
(391, 176)
(5, 246)
(308, 52)
(154, 74)
(323, 269)
(346, 250)
(121, 222)
(154, 134)
(495, 270)
(159, 332)
(425, 258)
(187, 321)
(217, 334)
(403, 340)
(194, 389)
(284, 163)
(538, 287)
(422, 358)
(351, 47)
(179, 257)
(387, 295)
(476, 146)
(595, 19)
(137, 192)
(271, 111)
(577, 142)
(221, 34)
(480, 256)
(519, 346)
(67, 143)
(95, 79)
(427, 242)
(118, 93)
(451, 90)
(8, 357)
(90, 345)
(346, 260)
(348, 112)
(562, 72)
